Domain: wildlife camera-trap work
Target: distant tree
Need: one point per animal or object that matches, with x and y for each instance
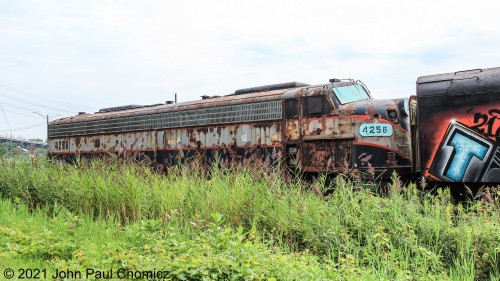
(36, 139)
(41, 152)
(7, 148)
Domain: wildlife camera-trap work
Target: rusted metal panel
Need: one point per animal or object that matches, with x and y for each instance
(333, 142)
(292, 130)
(182, 141)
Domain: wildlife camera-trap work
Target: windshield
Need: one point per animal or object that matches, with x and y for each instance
(350, 93)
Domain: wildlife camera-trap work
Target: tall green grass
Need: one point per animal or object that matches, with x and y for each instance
(407, 234)
(50, 239)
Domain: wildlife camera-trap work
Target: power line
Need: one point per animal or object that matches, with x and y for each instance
(35, 104)
(27, 108)
(25, 128)
(5, 116)
(43, 98)
(18, 113)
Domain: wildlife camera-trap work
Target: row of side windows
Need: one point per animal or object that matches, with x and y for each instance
(61, 145)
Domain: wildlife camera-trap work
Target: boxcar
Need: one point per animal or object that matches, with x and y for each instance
(456, 134)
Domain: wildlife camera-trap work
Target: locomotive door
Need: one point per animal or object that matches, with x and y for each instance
(326, 137)
(292, 133)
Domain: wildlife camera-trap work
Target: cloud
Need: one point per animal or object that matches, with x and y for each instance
(101, 54)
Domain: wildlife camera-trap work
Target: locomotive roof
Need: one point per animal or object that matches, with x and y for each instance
(189, 105)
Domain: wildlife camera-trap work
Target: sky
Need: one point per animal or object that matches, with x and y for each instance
(58, 58)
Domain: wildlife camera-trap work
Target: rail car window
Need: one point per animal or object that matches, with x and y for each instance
(350, 93)
(61, 145)
(291, 110)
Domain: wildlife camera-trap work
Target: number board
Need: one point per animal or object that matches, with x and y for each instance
(376, 130)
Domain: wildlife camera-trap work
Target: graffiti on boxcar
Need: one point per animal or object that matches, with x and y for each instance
(469, 153)
(486, 123)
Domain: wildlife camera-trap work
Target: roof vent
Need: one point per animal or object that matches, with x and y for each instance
(266, 88)
(119, 108)
(206, 97)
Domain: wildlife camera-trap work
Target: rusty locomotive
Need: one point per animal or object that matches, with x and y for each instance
(447, 132)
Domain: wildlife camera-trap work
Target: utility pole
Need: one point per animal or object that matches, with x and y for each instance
(45, 116)
(11, 147)
(6, 143)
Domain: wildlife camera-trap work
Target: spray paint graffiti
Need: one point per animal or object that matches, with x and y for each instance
(467, 154)
(485, 123)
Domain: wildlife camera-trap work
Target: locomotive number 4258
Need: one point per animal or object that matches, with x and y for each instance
(375, 130)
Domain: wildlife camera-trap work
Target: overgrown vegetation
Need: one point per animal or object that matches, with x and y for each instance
(239, 224)
(11, 150)
(7, 149)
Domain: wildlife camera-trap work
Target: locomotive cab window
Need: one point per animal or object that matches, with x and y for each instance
(317, 106)
(291, 110)
(350, 93)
